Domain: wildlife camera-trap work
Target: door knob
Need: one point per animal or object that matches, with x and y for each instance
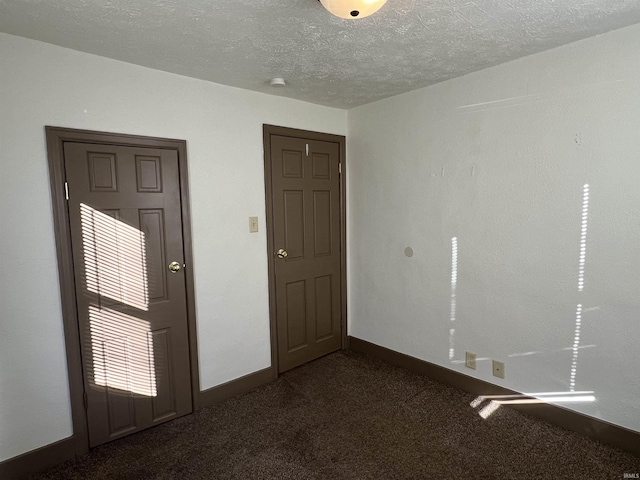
(174, 267)
(282, 253)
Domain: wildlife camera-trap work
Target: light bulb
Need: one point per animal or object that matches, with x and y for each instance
(352, 9)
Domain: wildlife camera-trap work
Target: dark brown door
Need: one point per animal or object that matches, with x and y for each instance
(126, 229)
(306, 227)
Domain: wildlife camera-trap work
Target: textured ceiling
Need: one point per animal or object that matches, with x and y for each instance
(341, 63)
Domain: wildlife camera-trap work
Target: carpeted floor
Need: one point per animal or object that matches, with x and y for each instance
(350, 416)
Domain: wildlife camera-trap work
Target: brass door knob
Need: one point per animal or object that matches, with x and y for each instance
(282, 253)
(174, 267)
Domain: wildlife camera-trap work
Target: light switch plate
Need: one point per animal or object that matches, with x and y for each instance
(498, 369)
(253, 224)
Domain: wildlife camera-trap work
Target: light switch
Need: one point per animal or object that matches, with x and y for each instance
(253, 224)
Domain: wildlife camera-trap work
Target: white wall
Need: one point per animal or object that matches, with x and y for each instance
(533, 132)
(499, 159)
(42, 84)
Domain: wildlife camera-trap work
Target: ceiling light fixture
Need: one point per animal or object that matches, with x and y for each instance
(277, 82)
(352, 9)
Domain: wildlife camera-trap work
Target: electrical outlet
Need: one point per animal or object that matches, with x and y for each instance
(498, 369)
(470, 360)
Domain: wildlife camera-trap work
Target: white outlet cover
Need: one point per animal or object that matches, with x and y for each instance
(470, 360)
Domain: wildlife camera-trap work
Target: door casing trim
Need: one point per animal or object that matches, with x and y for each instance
(269, 130)
(56, 138)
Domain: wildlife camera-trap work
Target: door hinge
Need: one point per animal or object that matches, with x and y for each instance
(85, 400)
(66, 190)
(340, 168)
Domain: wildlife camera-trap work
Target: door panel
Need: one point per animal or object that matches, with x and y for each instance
(102, 172)
(292, 164)
(322, 234)
(294, 224)
(296, 315)
(306, 223)
(163, 403)
(324, 301)
(152, 224)
(126, 226)
(148, 176)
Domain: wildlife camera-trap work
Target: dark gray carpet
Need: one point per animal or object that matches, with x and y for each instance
(349, 416)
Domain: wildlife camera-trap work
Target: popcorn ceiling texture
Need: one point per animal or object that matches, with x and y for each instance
(408, 44)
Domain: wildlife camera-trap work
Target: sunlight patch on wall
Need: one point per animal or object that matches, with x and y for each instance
(581, 268)
(576, 348)
(583, 236)
(454, 285)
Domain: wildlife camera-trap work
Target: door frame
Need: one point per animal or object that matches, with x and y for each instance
(56, 138)
(267, 131)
